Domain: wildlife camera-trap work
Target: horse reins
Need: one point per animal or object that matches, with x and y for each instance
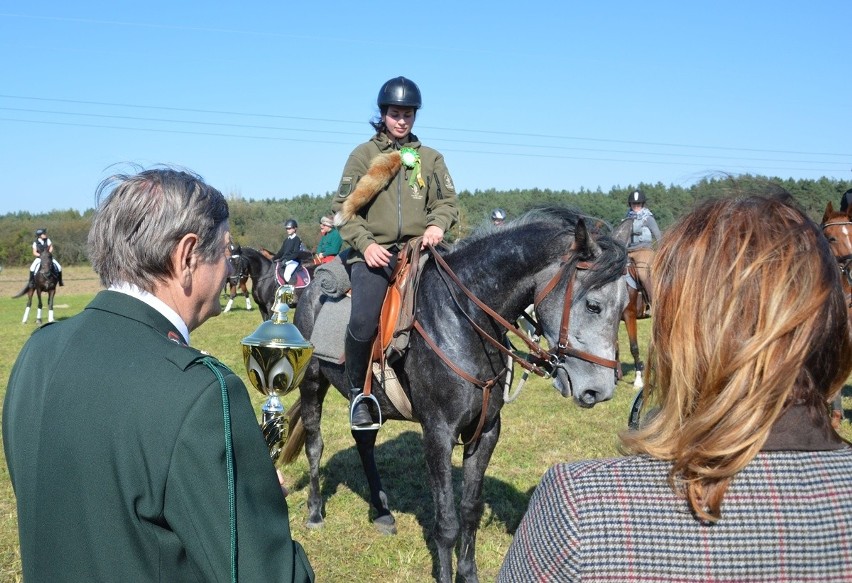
(541, 362)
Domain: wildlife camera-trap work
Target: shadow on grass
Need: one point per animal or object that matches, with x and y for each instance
(405, 479)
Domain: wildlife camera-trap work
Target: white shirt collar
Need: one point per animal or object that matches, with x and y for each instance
(156, 303)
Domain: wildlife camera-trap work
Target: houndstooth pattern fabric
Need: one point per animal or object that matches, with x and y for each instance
(786, 517)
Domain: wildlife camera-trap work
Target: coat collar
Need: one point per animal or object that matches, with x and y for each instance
(127, 306)
(799, 429)
(385, 144)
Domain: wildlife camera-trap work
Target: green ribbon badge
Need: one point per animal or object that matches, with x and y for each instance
(411, 159)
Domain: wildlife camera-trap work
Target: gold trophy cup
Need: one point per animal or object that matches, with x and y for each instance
(275, 356)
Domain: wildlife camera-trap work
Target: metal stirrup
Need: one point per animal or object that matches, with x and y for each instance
(355, 401)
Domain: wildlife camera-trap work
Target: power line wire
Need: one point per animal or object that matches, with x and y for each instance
(475, 152)
(447, 140)
(462, 130)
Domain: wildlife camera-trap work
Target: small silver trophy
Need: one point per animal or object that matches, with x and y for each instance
(275, 356)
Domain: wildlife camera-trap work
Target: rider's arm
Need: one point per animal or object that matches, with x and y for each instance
(35, 250)
(651, 223)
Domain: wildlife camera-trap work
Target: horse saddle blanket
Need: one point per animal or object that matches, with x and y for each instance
(328, 340)
(300, 278)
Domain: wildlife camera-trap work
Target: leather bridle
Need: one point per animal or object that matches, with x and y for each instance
(540, 361)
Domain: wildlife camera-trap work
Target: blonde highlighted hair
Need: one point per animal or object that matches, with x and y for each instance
(749, 318)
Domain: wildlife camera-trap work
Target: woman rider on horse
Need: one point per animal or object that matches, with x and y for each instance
(43, 243)
(393, 189)
(645, 232)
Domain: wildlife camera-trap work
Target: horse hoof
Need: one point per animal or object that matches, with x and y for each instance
(315, 525)
(385, 524)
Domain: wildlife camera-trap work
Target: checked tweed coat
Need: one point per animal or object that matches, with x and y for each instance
(786, 517)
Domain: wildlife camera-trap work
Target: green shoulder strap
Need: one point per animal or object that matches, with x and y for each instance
(214, 366)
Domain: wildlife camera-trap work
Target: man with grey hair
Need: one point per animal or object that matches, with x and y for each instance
(133, 456)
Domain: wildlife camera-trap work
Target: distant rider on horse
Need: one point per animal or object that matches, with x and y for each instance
(42, 243)
(645, 232)
(288, 255)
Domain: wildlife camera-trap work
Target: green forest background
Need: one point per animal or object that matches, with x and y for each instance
(258, 223)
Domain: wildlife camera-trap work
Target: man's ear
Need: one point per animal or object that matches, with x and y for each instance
(185, 258)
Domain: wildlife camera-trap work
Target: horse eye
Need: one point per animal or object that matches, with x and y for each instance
(593, 307)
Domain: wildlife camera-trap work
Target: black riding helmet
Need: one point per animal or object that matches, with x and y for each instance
(636, 197)
(291, 224)
(401, 92)
(40, 232)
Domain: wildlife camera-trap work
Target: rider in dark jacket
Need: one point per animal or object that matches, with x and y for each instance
(290, 250)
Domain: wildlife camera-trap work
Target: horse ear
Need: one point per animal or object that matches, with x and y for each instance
(584, 244)
(829, 209)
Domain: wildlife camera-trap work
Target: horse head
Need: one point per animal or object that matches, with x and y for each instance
(579, 300)
(837, 228)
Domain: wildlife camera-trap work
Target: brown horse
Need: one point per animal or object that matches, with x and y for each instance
(637, 305)
(837, 228)
(45, 281)
(238, 280)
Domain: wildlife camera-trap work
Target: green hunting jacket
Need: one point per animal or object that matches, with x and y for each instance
(113, 430)
(399, 212)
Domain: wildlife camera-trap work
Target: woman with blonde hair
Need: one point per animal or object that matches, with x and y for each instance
(739, 476)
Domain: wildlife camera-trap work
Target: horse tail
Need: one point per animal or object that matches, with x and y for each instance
(22, 292)
(295, 441)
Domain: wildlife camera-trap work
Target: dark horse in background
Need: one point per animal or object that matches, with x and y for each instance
(237, 281)
(45, 280)
(574, 280)
(637, 306)
(837, 228)
(264, 282)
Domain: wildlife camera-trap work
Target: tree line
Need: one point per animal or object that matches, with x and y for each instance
(259, 223)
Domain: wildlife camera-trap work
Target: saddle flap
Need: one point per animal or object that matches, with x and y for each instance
(398, 308)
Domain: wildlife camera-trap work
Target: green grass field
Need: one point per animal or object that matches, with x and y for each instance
(539, 429)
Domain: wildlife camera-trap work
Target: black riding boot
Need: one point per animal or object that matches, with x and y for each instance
(59, 274)
(31, 283)
(357, 353)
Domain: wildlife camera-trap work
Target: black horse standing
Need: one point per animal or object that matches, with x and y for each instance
(264, 282)
(44, 282)
(546, 258)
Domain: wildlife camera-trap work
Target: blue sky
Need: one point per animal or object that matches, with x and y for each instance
(266, 99)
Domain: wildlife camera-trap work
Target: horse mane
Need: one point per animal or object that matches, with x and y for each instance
(549, 225)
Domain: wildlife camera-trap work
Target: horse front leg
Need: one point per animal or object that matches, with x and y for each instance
(366, 444)
(629, 318)
(29, 306)
(246, 294)
(437, 444)
(232, 291)
(477, 456)
(50, 295)
(38, 311)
